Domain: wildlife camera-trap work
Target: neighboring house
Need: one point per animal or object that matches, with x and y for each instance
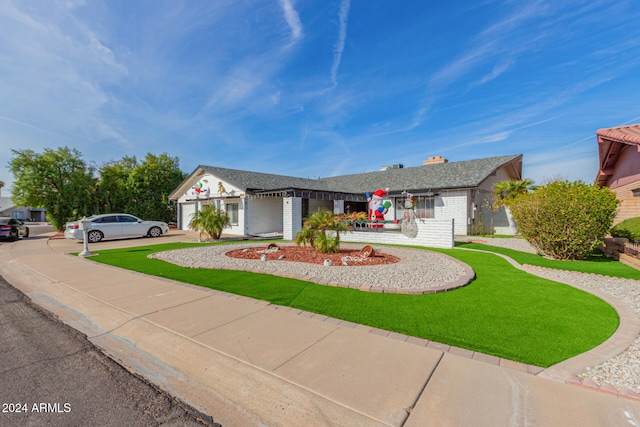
(7, 208)
(267, 204)
(619, 163)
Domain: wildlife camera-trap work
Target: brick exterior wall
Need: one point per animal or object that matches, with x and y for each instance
(291, 217)
(630, 206)
(432, 233)
(453, 205)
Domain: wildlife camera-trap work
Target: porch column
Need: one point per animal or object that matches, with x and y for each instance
(291, 217)
(338, 207)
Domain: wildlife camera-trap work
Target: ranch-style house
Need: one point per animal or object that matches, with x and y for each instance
(262, 204)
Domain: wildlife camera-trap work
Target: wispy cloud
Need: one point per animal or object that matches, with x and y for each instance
(497, 70)
(343, 17)
(293, 20)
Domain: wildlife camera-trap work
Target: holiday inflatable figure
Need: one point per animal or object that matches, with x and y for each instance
(378, 207)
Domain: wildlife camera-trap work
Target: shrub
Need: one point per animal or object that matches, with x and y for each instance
(565, 220)
(629, 228)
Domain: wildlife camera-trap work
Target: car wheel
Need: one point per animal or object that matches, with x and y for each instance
(26, 235)
(94, 236)
(154, 232)
(13, 236)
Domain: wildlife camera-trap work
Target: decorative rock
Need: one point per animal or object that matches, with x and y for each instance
(327, 263)
(281, 257)
(263, 257)
(273, 247)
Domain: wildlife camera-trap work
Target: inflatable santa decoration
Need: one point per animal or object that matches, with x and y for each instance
(378, 207)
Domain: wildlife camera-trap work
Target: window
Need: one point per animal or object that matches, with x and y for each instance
(232, 211)
(106, 219)
(636, 192)
(422, 207)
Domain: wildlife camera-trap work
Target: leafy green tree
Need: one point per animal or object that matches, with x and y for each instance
(565, 220)
(58, 180)
(149, 185)
(314, 231)
(210, 221)
(113, 192)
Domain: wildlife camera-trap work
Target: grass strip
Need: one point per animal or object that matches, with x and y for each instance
(504, 312)
(595, 264)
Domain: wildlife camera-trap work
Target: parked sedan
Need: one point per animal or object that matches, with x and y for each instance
(12, 229)
(109, 226)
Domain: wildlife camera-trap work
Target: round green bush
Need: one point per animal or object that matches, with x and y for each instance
(629, 228)
(565, 220)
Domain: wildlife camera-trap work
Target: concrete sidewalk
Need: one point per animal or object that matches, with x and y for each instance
(248, 362)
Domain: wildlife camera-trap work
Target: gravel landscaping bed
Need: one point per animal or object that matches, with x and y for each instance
(417, 270)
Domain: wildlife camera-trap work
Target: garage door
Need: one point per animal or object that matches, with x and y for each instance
(187, 210)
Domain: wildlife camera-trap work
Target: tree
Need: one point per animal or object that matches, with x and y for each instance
(210, 221)
(113, 192)
(149, 185)
(1, 187)
(58, 180)
(314, 231)
(507, 191)
(504, 193)
(565, 220)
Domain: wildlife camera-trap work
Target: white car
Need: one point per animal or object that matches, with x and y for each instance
(109, 226)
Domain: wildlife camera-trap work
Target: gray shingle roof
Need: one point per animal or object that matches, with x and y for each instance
(248, 181)
(462, 174)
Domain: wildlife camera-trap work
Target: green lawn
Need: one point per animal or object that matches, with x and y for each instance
(597, 263)
(504, 311)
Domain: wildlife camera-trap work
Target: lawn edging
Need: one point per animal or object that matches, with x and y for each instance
(627, 332)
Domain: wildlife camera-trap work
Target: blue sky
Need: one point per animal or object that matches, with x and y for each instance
(319, 88)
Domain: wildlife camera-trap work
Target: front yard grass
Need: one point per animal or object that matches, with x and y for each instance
(595, 264)
(504, 312)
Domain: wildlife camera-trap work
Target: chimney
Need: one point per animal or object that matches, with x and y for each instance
(434, 160)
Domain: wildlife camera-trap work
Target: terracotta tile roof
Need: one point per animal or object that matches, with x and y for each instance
(625, 134)
(611, 142)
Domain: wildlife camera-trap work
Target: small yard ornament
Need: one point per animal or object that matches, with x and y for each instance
(378, 207)
(221, 189)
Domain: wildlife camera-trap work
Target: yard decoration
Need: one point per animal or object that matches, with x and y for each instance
(199, 189)
(409, 227)
(221, 189)
(378, 207)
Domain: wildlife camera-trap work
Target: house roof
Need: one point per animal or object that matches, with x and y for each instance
(611, 142)
(464, 174)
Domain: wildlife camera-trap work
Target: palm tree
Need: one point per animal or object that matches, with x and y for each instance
(1, 187)
(315, 230)
(210, 221)
(506, 191)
